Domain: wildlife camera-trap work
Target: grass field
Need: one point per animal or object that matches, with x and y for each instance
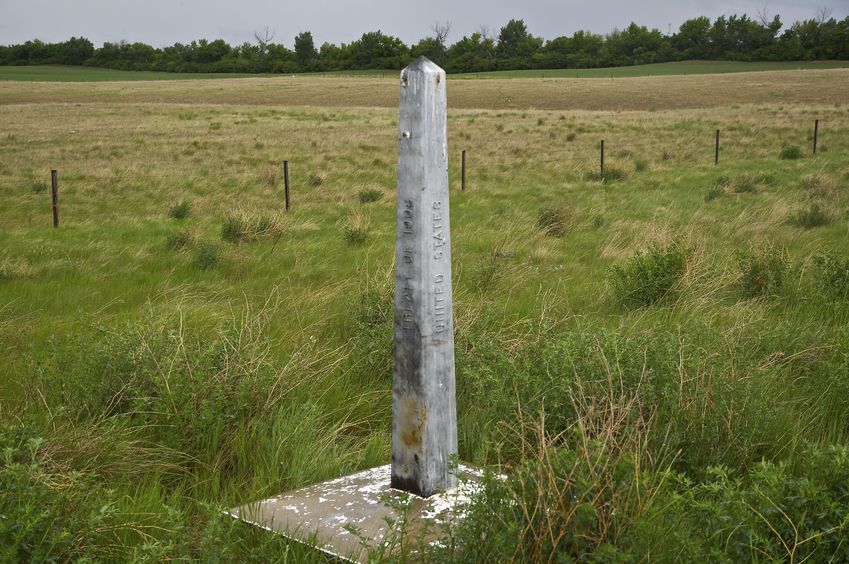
(658, 358)
(663, 69)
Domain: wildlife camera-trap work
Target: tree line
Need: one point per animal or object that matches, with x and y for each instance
(736, 38)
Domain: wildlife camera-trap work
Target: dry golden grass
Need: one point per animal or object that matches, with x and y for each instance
(617, 94)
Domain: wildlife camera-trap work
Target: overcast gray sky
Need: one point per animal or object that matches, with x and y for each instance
(164, 22)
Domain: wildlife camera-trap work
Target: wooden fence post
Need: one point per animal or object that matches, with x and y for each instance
(716, 155)
(54, 185)
(601, 171)
(816, 133)
(463, 173)
(286, 182)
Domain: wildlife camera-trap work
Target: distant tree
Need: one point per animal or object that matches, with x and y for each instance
(330, 57)
(434, 47)
(305, 51)
(474, 53)
(693, 39)
(263, 39)
(511, 37)
(517, 49)
(75, 51)
(374, 50)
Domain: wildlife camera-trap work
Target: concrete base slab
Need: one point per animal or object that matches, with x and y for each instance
(340, 516)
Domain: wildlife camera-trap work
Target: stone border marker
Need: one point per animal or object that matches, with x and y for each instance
(424, 421)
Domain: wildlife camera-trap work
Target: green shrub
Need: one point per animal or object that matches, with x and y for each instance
(641, 165)
(746, 183)
(790, 152)
(814, 216)
(180, 240)
(650, 276)
(714, 193)
(39, 186)
(206, 255)
(832, 275)
(762, 270)
(179, 211)
(370, 195)
(355, 235)
(48, 516)
(723, 180)
(554, 221)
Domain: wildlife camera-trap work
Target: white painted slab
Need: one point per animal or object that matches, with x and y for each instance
(322, 514)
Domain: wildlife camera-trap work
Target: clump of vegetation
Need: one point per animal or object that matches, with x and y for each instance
(369, 195)
(832, 275)
(180, 210)
(551, 508)
(206, 255)
(180, 240)
(762, 270)
(571, 136)
(610, 174)
(269, 176)
(554, 221)
(38, 186)
(241, 227)
(11, 269)
(650, 276)
(746, 184)
(491, 267)
(813, 216)
(315, 180)
(356, 229)
(714, 193)
(817, 185)
(790, 152)
(722, 180)
(750, 182)
(641, 165)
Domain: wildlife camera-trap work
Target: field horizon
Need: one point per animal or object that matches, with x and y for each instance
(65, 73)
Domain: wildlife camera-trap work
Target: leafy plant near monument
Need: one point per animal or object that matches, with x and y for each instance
(763, 270)
(650, 276)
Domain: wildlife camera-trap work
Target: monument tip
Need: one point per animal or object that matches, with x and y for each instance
(423, 64)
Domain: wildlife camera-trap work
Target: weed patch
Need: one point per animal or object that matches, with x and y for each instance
(832, 275)
(762, 270)
(813, 216)
(242, 227)
(207, 255)
(555, 221)
(650, 276)
(790, 152)
(610, 174)
(180, 210)
(355, 231)
(182, 239)
(369, 195)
